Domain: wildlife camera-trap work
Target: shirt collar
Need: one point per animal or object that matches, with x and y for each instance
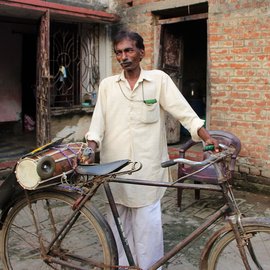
(143, 76)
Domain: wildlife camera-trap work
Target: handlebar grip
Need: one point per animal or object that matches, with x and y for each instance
(209, 147)
(168, 163)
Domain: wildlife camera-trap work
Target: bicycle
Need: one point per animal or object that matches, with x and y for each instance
(58, 227)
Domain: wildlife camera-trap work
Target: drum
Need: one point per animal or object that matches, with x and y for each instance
(47, 167)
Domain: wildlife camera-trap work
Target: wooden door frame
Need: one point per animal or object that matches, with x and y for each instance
(158, 48)
(43, 123)
(158, 33)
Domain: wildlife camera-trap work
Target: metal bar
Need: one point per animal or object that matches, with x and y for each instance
(167, 184)
(73, 217)
(118, 224)
(219, 213)
(240, 243)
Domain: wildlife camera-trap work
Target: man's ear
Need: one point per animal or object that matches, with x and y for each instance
(142, 54)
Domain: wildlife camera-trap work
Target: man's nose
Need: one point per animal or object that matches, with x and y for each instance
(124, 55)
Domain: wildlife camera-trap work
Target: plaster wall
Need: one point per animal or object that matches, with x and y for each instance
(64, 125)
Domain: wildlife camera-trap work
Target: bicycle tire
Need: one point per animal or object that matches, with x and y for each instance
(90, 236)
(225, 254)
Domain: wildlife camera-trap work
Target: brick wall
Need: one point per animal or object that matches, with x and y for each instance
(239, 74)
(239, 61)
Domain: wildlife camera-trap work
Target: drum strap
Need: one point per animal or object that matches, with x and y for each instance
(68, 159)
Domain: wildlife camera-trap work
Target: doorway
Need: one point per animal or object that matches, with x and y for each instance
(17, 76)
(190, 73)
(28, 75)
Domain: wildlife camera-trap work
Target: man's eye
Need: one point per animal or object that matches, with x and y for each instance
(119, 53)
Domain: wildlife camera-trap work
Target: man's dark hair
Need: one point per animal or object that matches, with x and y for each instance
(124, 34)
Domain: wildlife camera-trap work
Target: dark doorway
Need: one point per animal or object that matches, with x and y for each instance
(195, 64)
(192, 73)
(18, 135)
(29, 52)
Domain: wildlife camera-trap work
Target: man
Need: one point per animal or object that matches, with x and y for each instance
(129, 123)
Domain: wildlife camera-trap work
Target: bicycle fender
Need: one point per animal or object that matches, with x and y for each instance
(9, 189)
(9, 202)
(223, 231)
(20, 194)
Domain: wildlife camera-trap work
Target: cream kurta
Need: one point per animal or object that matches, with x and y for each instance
(124, 127)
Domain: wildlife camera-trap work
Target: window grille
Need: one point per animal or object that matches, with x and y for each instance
(74, 62)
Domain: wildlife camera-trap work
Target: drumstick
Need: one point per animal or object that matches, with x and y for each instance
(50, 144)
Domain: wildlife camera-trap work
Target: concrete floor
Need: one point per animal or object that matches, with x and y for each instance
(178, 224)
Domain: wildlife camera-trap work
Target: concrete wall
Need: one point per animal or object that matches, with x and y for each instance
(63, 125)
(238, 67)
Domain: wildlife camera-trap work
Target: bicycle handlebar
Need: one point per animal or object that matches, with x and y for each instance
(212, 158)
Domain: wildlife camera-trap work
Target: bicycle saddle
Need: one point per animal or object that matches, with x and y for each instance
(102, 169)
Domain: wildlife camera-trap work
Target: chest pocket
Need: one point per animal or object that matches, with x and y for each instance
(150, 113)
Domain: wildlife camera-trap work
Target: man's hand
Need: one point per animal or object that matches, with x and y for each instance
(212, 141)
(88, 156)
(205, 136)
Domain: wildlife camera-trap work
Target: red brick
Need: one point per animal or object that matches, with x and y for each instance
(238, 68)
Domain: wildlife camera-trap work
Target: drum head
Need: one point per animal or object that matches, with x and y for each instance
(26, 173)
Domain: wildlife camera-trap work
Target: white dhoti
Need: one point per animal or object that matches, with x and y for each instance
(143, 229)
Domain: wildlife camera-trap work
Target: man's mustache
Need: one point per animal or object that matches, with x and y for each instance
(125, 62)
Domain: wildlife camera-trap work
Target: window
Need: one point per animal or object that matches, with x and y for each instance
(74, 62)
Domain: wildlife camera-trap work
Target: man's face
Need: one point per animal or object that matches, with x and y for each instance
(128, 55)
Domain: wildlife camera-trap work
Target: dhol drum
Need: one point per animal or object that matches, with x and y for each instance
(47, 167)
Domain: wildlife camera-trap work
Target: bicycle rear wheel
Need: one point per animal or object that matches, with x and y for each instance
(90, 236)
(225, 254)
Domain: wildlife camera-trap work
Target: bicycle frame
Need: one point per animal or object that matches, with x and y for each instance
(184, 242)
(229, 209)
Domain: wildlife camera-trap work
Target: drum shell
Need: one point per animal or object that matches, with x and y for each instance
(63, 159)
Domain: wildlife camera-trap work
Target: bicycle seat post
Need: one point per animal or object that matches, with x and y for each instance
(118, 224)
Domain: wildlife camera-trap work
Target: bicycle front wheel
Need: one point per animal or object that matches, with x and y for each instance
(225, 254)
(89, 243)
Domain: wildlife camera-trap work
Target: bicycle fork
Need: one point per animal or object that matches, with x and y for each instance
(243, 240)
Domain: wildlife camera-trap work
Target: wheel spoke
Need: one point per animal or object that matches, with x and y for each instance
(225, 254)
(89, 240)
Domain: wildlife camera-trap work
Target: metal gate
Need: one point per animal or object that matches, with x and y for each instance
(73, 62)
